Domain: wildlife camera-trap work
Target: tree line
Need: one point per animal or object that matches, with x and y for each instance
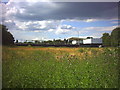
(49, 42)
(7, 37)
(112, 39)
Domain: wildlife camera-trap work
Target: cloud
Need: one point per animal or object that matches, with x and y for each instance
(64, 29)
(105, 29)
(90, 20)
(2, 12)
(61, 10)
(28, 35)
(115, 22)
(67, 27)
(32, 25)
(26, 18)
(26, 11)
(30, 10)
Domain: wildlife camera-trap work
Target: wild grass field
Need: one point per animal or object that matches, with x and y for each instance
(50, 67)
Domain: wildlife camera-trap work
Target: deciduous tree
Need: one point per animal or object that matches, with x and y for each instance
(7, 37)
(106, 39)
(115, 37)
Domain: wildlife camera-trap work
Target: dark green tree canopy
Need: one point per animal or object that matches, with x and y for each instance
(115, 37)
(89, 37)
(7, 37)
(106, 39)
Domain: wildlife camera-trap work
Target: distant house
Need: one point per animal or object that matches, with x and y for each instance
(83, 41)
(92, 41)
(76, 41)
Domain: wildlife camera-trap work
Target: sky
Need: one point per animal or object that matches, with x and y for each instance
(35, 20)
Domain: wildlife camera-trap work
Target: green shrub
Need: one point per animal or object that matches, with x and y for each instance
(81, 50)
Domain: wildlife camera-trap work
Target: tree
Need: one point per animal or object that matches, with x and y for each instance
(7, 37)
(115, 37)
(89, 37)
(106, 39)
(65, 41)
(16, 41)
(37, 42)
(26, 42)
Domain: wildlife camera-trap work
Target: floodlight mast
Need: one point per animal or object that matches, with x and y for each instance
(78, 39)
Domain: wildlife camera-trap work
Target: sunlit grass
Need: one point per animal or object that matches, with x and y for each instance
(36, 67)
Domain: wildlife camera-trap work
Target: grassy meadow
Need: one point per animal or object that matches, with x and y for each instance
(54, 67)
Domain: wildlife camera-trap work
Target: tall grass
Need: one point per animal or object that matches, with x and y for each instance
(27, 67)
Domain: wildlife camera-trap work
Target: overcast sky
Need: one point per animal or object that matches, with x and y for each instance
(58, 20)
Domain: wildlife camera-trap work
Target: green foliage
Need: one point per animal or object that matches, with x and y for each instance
(27, 68)
(29, 45)
(89, 37)
(106, 39)
(37, 42)
(7, 37)
(16, 41)
(115, 37)
(55, 42)
(81, 50)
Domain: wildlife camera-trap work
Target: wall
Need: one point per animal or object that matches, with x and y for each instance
(96, 40)
(87, 41)
(93, 41)
(77, 42)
